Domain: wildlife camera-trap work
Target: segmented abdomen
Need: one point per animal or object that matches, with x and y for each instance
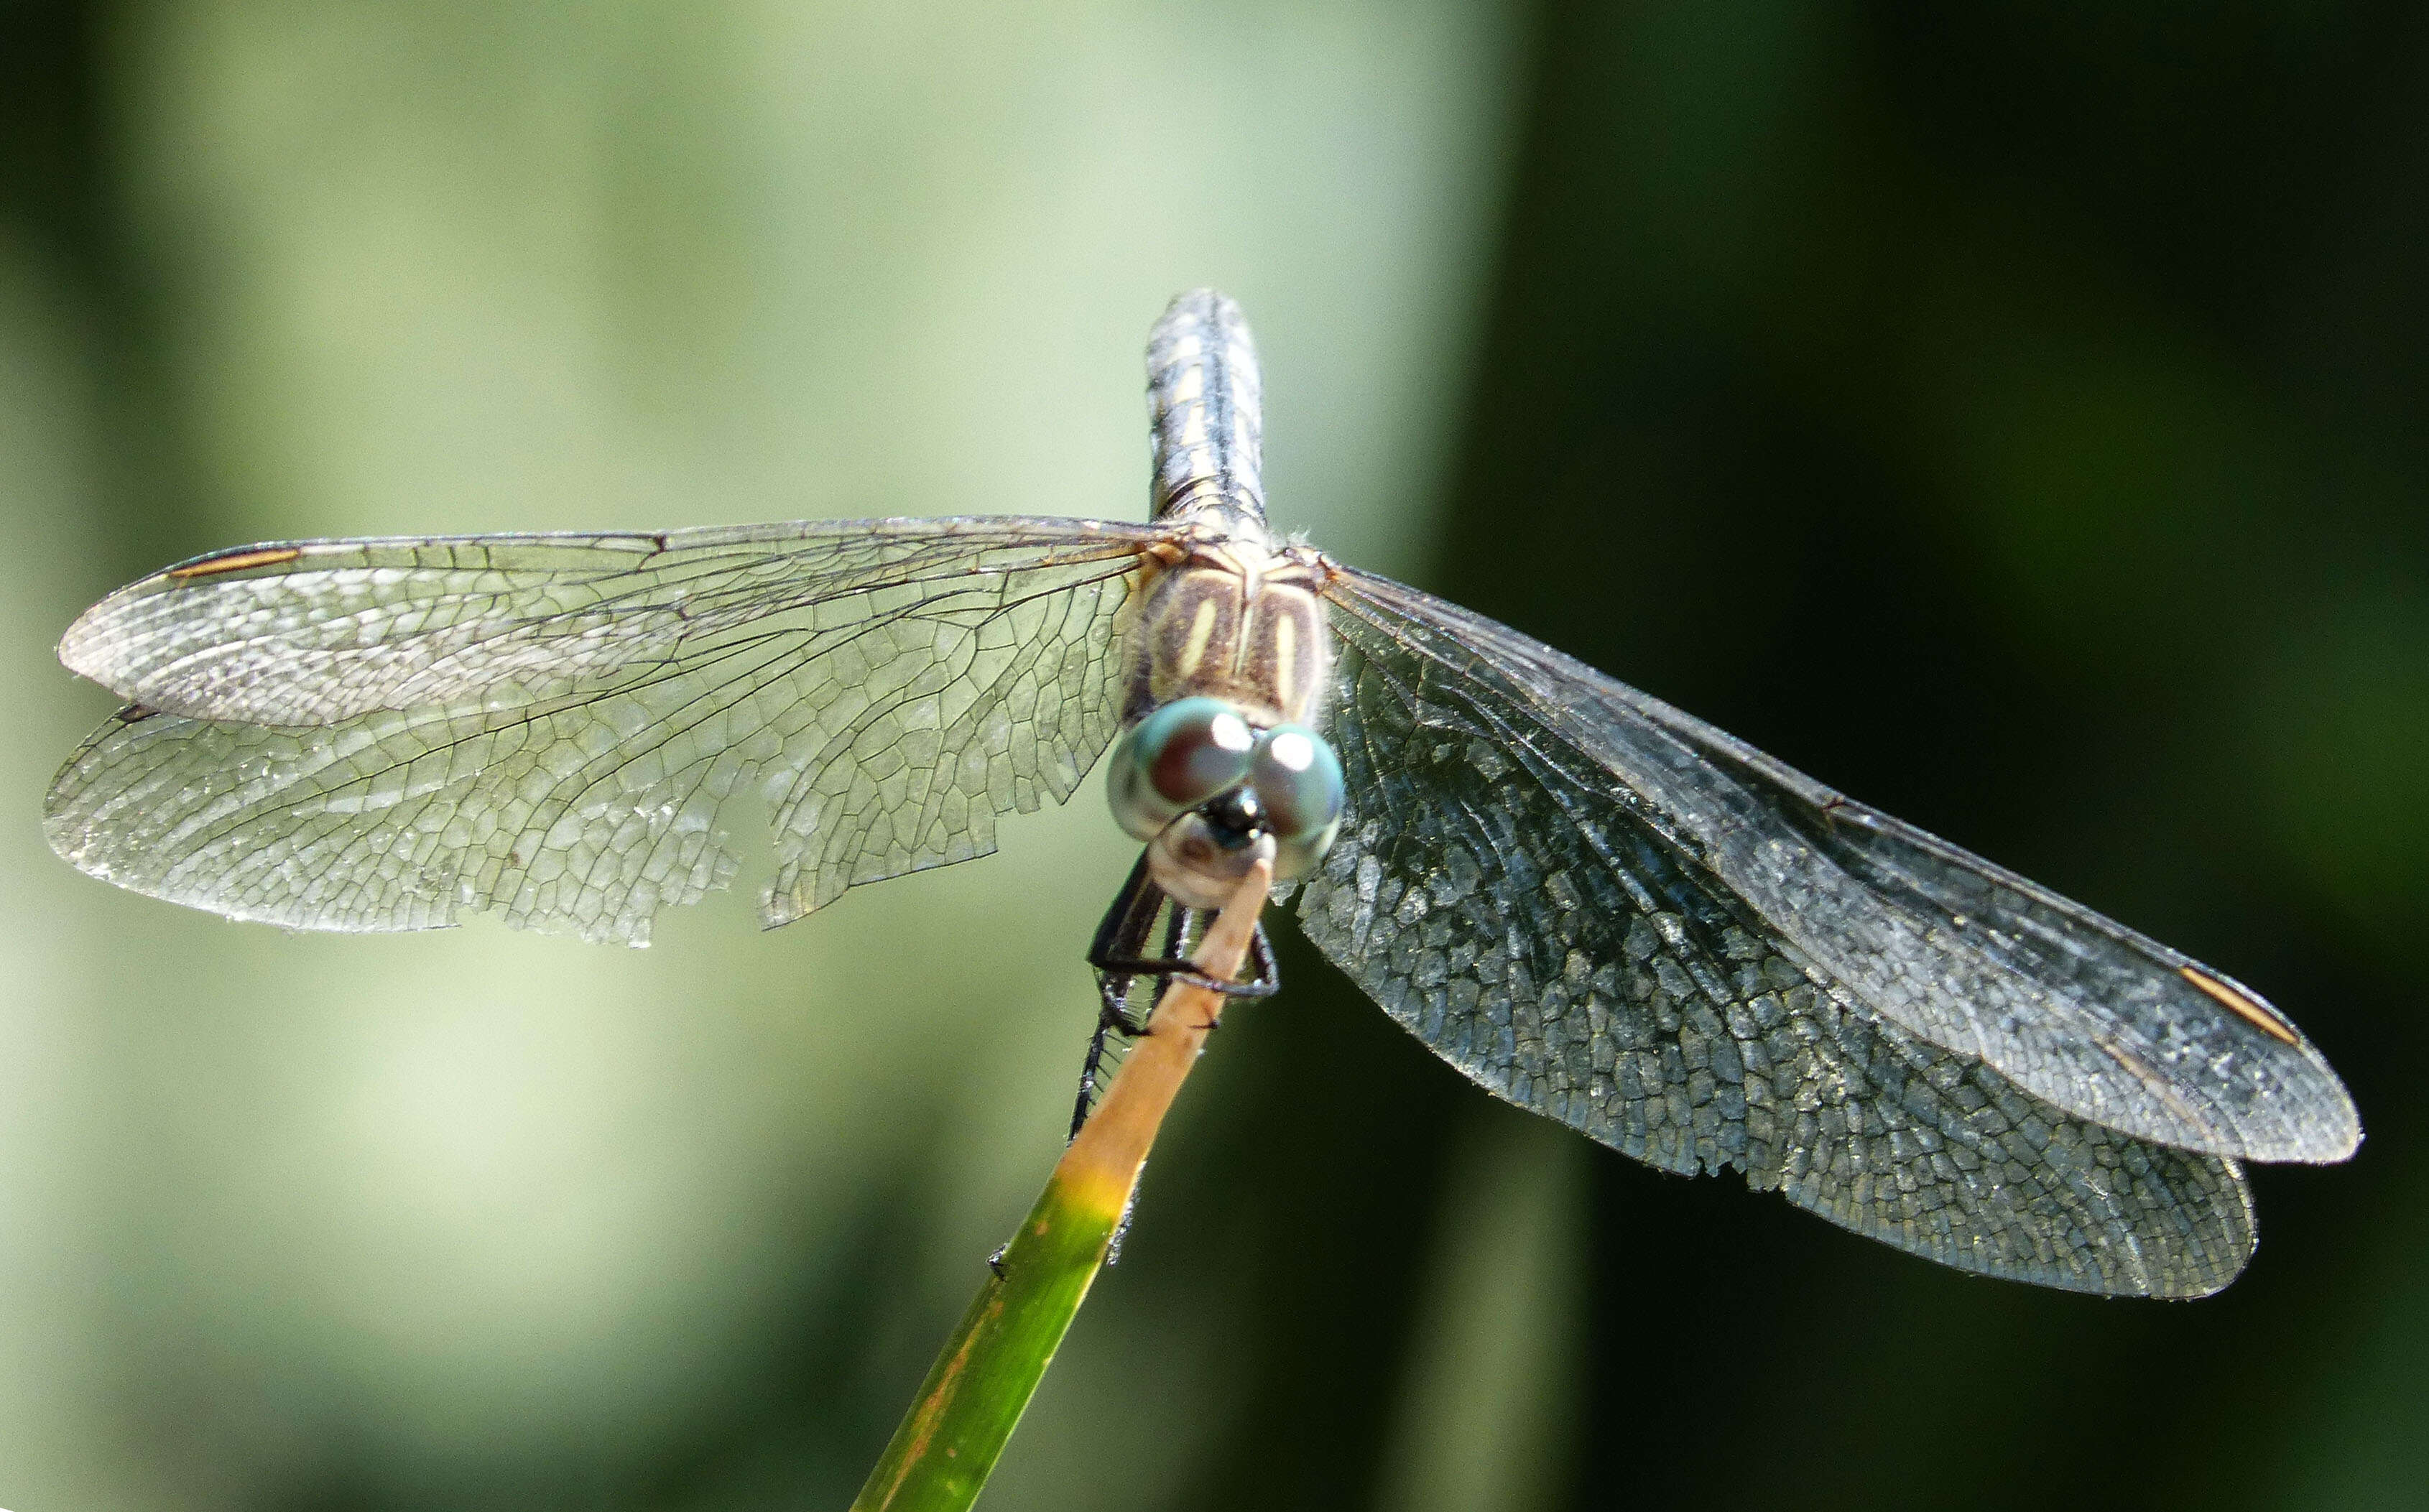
(1206, 407)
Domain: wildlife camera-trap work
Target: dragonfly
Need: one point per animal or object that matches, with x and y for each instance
(1590, 903)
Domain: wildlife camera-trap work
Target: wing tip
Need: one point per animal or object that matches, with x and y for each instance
(80, 645)
(2332, 1141)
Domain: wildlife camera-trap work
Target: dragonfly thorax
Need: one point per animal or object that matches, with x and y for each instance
(1236, 619)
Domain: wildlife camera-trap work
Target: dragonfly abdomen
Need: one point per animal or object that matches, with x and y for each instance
(1206, 407)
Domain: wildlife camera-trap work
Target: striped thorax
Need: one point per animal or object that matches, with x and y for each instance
(1239, 622)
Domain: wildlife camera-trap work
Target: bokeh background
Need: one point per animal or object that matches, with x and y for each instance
(2011, 412)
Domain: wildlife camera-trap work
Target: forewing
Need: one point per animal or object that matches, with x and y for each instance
(1504, 897)
(2075, 1008)
(385, 734)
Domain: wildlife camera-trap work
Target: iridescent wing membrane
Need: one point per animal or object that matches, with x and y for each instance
(1615, 914)
(386, 734)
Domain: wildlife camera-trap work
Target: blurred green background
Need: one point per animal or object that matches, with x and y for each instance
(2011, 412)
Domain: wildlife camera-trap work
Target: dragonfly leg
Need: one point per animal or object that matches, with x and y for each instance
(1121, 962)
(1091, 1067)
(1121, 938)
(1118, 953)
(1122, 934)
(1265, 979)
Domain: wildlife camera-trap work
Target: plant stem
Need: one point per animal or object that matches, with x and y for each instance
(983, 1380)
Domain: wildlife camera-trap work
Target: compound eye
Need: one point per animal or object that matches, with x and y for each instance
(1184, 754)
(1297, 780)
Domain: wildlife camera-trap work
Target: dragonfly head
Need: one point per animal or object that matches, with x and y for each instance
(1209, 793)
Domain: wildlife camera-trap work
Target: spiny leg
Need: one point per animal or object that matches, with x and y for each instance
(1118, 953)
(1114, 1017)
(1120, 938)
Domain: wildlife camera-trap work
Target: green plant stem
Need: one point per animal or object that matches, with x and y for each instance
(974, 1394)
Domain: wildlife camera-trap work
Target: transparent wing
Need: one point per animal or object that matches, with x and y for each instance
(384, 735)
(2076, 1009)
(1510, 888)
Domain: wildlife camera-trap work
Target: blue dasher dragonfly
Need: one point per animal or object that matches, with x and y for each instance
(1590, 903)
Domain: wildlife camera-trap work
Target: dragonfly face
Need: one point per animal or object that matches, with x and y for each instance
(1589, 902)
